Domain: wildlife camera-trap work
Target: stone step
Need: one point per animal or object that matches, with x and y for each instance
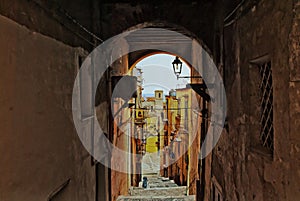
(159, 182)
(151, 175)
(159, 191)
(157, 198)
(161, 185)
(155, 180)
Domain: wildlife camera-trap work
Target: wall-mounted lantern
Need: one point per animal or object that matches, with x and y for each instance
(177, 67)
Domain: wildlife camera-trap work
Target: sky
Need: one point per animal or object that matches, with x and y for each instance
(158, 74)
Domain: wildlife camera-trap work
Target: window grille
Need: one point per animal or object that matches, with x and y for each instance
(266, 120)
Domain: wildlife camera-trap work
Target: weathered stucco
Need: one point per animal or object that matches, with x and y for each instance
(36, 87)
(244, 170)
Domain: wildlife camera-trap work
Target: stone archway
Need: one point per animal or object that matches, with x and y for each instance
(124, 63)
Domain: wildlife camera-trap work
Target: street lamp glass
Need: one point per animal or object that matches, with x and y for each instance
(177, 66)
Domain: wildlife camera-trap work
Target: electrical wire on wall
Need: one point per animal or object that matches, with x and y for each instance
(64, 14)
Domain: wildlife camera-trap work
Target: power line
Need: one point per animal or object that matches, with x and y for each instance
(72, 19)
(63, 11)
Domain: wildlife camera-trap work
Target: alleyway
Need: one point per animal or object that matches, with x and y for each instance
(159, 188)
(201, 97)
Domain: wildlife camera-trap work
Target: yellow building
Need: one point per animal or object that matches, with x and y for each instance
(181, 138)
(154, 121)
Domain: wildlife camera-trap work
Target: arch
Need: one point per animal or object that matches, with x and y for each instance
(135, 57)
(155, 52)
(133, 40)
(172, 27)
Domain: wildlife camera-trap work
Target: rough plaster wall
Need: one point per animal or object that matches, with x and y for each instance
(120, 181)
(39, 146)
(44, 18)
(293, 189)
(249, 174)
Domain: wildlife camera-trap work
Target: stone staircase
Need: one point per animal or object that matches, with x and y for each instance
(156, 198)
(159, 189)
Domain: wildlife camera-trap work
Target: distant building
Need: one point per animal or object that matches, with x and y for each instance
(179, 151)
(154, 113)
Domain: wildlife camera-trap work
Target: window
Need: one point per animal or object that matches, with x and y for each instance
(266, 105)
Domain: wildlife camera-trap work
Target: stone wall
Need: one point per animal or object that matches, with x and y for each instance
(40, 148)
(241, 167)
(293, 147)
